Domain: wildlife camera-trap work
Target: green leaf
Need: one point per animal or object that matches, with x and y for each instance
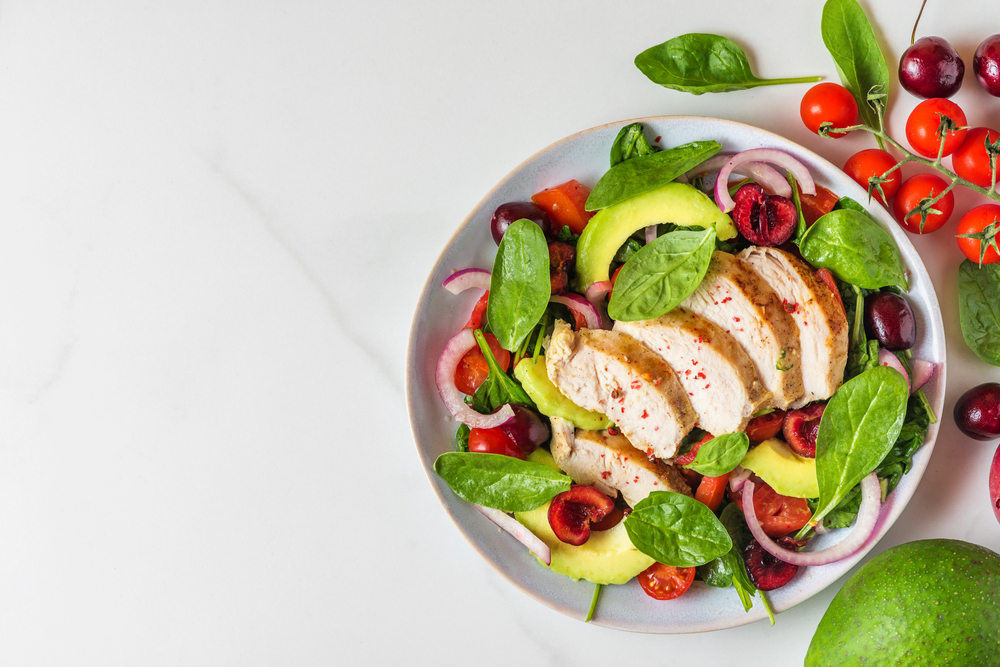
(661, 275)
(851, 41)
(858, 428)
(699, 63)
(500, 482)
(979, 309)
(676, 530)
(855, 249)
(847, 202)
(648, 172)
(499, 388)
(631, 142)
(520, 286)
(720, 454)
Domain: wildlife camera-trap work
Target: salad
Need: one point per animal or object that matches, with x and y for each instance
(804, 437)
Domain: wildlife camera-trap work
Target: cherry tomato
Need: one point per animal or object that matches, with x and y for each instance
(971, 161)
(473, 370)
(665, 582)
(493, 441)
(816, 206)
(913, 191)
(922, 127)
(874, 162)
(711, 491)
(778, 515)
(979, 221)
(686, 459)
(766, 426)
(476, 319)
(828, 102)
(565, 206)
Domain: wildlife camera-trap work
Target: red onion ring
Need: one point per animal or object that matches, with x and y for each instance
(510, 525)
(588, 311)
(650, 234)
(596, 294)
(760, 172)
(739, 477)
(887, 358)
(922, 372)
(864, 526)
(772, 155)
(465, 279)
(453, 399)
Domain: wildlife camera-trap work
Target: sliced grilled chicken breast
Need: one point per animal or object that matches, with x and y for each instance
(740, 302)
(718, 375)
(610, 463)
(816, 312)
(612, 373)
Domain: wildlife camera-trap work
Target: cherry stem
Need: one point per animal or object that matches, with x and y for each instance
(913, 35)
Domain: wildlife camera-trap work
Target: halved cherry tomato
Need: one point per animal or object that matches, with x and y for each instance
(666, 582)
(828, 102)
(565, 205)
(778, 515)
(874, 162)
(686, 459)
(983, 221)
(766, 426)
(493, 441)
(473, 370)
(827, 277)
(476, 319)
(816, 206)
(924, 121)
(711, 491)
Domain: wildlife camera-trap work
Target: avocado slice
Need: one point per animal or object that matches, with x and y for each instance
(550, 401)
(608, 557)
(929, 602)
(678, 203)
(788, 473)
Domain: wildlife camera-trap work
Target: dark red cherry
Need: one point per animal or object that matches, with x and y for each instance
(572, 512)
(514, 211)
(889, 318)
(801, 427)
(764, 219)
(931, 67)
(977, 412)
(986, 65)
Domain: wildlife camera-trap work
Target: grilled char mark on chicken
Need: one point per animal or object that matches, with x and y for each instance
(718, 375)
(741, 303)
(820, 319)
(612, 373)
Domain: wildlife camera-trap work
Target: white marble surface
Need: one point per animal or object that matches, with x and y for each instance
(215, 219)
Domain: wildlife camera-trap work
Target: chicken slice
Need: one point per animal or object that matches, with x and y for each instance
(716, 372)
(816, 312)
(614, 374)
(744, 305)
(610, 463)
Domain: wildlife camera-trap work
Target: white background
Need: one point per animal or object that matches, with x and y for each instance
(215, 220)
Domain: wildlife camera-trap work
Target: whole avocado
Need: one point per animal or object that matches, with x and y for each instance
(929, 602)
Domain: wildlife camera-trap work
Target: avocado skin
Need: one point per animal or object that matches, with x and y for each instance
(929, 602)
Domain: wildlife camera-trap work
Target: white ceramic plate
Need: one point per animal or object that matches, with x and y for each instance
(439, 315)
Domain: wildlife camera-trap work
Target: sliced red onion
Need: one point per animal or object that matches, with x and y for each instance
(596, 294)
(864, 526)
(465, 279)
(739, 477)
(650, 234)
(887, 358)
(922, 372)
(579, 305)
(453, 399)
(510, 525)
(770, 155)
(760, 172)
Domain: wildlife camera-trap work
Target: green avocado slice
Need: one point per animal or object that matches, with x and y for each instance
(678, 203)
(550, 401)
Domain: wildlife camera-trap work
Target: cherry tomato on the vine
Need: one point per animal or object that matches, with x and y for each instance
(915, 190)
(665, 582)
(828, 102)
(924, 121)
(971, 161)
(874, 162)
(980, 222)
(473, 370)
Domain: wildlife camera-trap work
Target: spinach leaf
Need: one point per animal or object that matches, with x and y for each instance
(911, 438)
(501, 482)
(631, 142)
(499, 388)
(661, 275)
(699, 63)
(720, 454)
(629, 248)
(858, 428)
(862, 354)
(847, 202)
(729, 569)
(520, 287)
(676, 530)
(462, 437)
(855, 249)
(979, 309)
(648, 172)
(851, 41)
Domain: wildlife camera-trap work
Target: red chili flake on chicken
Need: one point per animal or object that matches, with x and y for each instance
(645, 415)
(700, 376)
(727, 299)
(606, 474)
(694, 361)
(636, 384)
(789, 307)
(735, 319)
(707, 386)
(656, 382)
